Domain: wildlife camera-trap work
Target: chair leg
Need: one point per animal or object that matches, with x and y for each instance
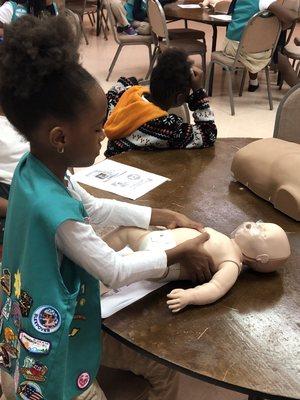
(90, 18)
(208, 74)
(203, 57)
(269, 88)
(243, 82)
(152, 62)
(93, 17)
(228, 72)
(298, 68)
(112, 65)
(83, 30)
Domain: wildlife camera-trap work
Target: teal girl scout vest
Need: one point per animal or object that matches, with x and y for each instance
(243, 11)
(50, 320)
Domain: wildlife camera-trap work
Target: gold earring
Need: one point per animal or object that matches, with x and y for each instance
(61, 150)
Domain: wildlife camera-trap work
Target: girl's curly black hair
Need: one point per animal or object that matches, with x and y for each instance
(40, 74)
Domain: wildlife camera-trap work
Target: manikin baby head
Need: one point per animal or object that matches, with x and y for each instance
(265, 247)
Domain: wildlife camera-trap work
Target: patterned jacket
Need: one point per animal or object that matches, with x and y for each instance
(167, 132)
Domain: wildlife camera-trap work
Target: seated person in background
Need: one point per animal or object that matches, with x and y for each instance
(261, 246)
(138, 119)
(12, 10)
(40, 8)
(12, 147)
(137, 15)
(131, 16)
(120, 14)
(242, 11)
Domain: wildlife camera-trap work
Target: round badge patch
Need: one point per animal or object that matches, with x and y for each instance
(46, 319)
(83, 380)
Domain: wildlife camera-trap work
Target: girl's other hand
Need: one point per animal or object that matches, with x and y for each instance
(171, 220)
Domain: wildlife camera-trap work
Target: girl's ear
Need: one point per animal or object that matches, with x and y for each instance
(57, 139)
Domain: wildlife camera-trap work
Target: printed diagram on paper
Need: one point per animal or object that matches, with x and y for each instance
(120, 179)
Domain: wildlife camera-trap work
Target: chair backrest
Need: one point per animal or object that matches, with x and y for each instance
(222, 6)
(157, 20)
(288, 117)
(290, 32)
(77, 6)
(74, 21)
(112, 20)
(260, 34)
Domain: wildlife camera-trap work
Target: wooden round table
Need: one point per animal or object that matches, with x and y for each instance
(249, 340)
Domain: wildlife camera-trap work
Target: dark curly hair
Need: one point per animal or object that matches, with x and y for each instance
(171, 76)
(40, 74)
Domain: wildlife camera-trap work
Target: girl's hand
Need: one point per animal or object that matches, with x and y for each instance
(171, 220)
(178, 299)
(194, 258)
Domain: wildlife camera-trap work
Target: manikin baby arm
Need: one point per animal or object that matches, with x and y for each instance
(207, 293)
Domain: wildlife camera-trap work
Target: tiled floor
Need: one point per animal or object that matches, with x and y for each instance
(253, 119)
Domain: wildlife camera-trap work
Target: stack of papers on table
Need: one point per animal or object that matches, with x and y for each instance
(115, 300)
(221, 17)
(188, 5)
(120, 179)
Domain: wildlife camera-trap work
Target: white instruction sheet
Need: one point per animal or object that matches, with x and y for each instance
(116, 299)
(120, 179)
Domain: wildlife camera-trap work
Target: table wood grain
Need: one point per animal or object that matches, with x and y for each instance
(247, 341)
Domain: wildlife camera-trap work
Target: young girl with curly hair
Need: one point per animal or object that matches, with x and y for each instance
(53, 260)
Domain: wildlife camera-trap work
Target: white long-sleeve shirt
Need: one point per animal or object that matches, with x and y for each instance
(12, 147)
(79, 242)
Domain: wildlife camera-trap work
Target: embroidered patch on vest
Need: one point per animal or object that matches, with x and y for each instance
(11, 350)
(30, 391)
(46, 319)
(4, 357)
(34, 370)
(6, 308)
(10, 335)
(25, 302)
(83, 380)
(17, 284)
(74, 332)
(16, 314)
(82, 302)
(34, 345)
(6, 281)
(79, 317)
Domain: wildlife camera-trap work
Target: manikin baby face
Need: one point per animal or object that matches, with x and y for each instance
(264, 246)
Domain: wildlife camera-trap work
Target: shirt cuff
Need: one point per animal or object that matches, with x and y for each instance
(265, 4)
